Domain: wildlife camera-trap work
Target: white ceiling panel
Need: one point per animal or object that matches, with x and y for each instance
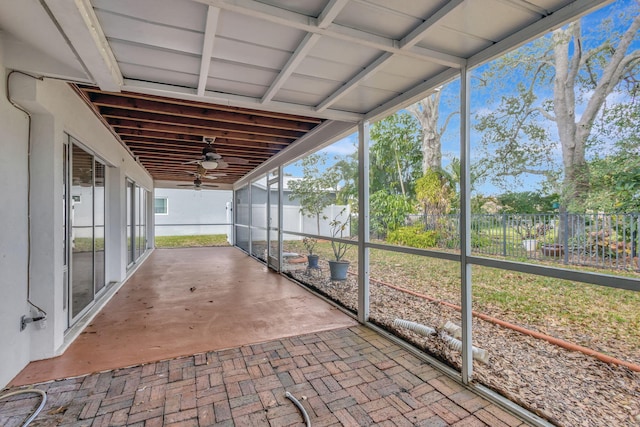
(251, 55)
(185, 14)
(390, 82)
(242, 88)
(410, 68)
(307, 7)
(363, 95)
(323, 68)
(418, 9)
(28, 22)
(449, 40)
(268, 34)
(464, 19)
(149, 74)
(310, 85)
(337, 50)
(378, 20)
(158, 58)
(118, 27)
(295, 97)
(234, 71)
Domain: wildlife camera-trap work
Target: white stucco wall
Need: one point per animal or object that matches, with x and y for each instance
(14, 352)
(55, 109)
(198, 211)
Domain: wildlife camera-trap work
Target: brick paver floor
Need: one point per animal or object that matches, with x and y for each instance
(349, 377)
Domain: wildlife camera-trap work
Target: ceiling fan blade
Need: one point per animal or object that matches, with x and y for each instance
(222, 164)
(237, 160)
(210, 185)
(191, 162)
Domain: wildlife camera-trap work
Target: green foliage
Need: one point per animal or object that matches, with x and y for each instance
(435, 192)
(527, 202)
(479, 240)
(615, 179)
(316, 190)
(346, 169)
(414, 236)
(395, 154)
(309, 244)
(338, 228)
(388, 211)
(514, 140)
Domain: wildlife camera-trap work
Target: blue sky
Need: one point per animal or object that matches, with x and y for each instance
(449, 99)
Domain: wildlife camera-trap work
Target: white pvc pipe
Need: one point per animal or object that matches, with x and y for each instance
(453, 329)
(478, 353)
(415, 327)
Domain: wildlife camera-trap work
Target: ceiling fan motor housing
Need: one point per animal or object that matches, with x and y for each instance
(209, 152)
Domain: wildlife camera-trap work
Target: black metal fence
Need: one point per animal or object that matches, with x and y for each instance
(587, 239)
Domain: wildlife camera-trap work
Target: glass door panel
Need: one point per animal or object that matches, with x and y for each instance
(99, 203)
(136, 215)
(130, 242)
(82, 273)
(273, 221)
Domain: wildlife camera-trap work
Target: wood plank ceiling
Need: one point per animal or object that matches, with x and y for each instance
(166, 135)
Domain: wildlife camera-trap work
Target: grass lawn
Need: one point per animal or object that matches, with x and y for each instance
(555, 306)
(191, 241)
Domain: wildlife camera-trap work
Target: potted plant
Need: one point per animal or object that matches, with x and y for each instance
(309, 244)
(529, 233)
(338, 267)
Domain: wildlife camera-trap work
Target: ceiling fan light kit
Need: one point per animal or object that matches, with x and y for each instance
(209, 164)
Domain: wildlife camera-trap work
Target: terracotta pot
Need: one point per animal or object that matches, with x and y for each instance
(552, 250)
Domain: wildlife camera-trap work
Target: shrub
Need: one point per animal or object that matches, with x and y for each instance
(479, 240)
(414, 236)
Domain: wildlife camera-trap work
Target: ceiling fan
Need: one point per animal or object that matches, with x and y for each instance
(212, 160)
(201, 172)
(198, 185)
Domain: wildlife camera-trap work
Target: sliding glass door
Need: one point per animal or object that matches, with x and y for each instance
(86, 200)
(137, 198)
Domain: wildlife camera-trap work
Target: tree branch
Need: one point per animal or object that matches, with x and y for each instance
(546, 114)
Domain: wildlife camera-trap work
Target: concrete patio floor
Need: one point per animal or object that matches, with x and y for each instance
(186, 301)
(209, 336)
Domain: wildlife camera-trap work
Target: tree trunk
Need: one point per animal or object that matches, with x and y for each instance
(427, 113)
(574, 134)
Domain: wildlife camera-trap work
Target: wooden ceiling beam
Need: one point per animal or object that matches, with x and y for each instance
(169, 128)
(205, 124)
(90, 91)
(192, 139)
(150, 161)
(260, 157)
(198, 112)
(247, 148)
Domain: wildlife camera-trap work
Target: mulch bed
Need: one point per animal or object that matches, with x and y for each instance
(567, 388)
